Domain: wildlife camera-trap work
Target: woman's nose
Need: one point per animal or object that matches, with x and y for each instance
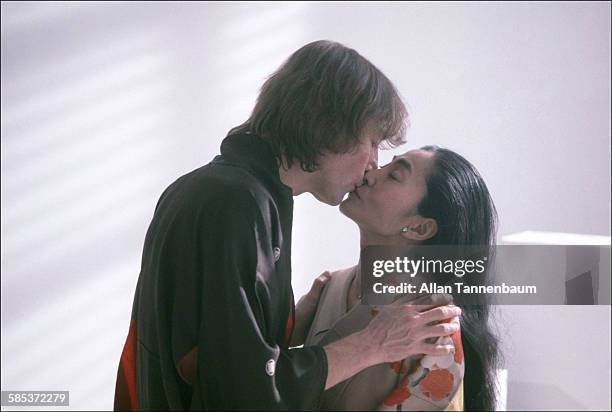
(369, 178)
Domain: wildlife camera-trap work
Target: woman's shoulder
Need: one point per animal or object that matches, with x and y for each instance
(330, 307)
(341, 276)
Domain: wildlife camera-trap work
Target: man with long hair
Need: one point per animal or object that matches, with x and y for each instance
(213, 314)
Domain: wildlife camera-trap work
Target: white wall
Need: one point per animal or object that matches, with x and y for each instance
(103, 105)
(556, 357)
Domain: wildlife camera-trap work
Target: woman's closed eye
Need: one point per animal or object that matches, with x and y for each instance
(395, 175)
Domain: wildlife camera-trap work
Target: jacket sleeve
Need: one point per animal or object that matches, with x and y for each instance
(239, 365)
(434, 384)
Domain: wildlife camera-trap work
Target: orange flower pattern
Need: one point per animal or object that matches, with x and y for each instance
(437, 384)
(434, 383)
(398, 396)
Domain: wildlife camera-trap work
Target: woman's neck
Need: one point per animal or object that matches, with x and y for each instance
(365, 239)
(368, 239)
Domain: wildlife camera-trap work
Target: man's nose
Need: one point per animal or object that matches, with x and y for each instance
(373, 161)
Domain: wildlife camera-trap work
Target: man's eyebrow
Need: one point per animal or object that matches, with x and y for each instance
(402, 162)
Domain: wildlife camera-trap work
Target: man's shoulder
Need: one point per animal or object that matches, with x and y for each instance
(216, 187)
(225, 181)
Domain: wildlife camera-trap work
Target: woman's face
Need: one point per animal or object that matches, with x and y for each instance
(389, 198)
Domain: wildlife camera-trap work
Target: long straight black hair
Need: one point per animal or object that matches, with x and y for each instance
(458, 199)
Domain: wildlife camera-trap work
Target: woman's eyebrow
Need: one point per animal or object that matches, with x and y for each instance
(402, 162)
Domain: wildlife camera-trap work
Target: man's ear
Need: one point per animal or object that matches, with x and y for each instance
(420, 229)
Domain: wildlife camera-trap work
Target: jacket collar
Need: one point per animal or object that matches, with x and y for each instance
(251, 151)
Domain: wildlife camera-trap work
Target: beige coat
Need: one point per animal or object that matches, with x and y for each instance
(417, 383)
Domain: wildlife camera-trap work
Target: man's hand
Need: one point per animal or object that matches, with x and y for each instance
(396, 331)
(306, 309)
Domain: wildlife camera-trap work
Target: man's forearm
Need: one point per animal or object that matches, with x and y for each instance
(348, 357)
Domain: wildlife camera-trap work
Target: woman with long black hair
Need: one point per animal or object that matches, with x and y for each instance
(430, 196)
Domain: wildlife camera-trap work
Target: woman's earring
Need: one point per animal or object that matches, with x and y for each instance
(404, 229)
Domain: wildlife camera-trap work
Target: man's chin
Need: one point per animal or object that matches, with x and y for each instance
(342, 200)
(335, 202)
(346, 199)
(327, 200)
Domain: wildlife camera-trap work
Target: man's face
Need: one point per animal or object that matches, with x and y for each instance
(339, 174)
(391, 194)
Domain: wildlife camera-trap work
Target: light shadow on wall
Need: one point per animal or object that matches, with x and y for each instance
(86, 137)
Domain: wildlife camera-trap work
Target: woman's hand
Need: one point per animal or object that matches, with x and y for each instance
(306, 309)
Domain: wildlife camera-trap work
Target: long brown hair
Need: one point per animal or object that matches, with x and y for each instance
(322, 99)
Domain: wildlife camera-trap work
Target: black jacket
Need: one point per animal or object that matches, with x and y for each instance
(216, 275)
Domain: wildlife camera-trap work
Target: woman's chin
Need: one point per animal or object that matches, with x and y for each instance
(347, 208)
(345, 205)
